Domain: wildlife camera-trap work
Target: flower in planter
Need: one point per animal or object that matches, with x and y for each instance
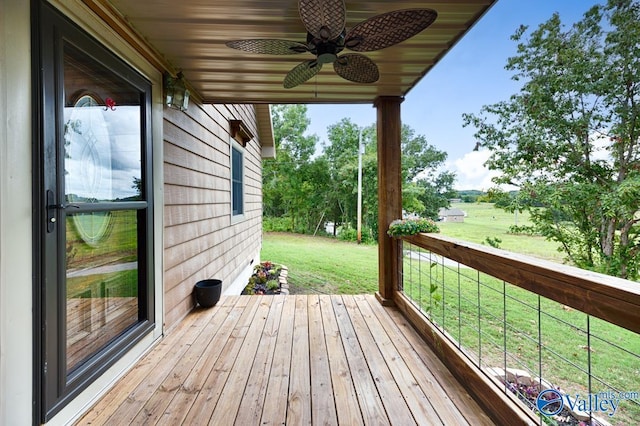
(399, 228)
(264, 279)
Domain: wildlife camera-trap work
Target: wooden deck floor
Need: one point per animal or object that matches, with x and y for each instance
(292, 360)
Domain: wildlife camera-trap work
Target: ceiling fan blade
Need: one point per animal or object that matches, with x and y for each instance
(269, 46)
(388, 29)
(357, 68)
(324, 19)
(301, 73)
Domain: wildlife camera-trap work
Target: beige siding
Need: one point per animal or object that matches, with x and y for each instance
(200, 240)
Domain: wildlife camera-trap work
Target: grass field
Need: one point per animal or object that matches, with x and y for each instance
(350, 268)
(323, 265)
(484, 220)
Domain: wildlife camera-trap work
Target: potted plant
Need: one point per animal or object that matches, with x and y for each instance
(404, 227)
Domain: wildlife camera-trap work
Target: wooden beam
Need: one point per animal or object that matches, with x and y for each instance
(389, 193)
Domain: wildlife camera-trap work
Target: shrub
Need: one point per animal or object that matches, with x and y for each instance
(399, 228)
(493, 242)
(523, 230)
(276, 224)
(347, 233)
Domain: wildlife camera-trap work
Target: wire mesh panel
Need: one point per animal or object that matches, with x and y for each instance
(533, 346)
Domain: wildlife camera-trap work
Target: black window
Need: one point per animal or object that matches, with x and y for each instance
(237, 181)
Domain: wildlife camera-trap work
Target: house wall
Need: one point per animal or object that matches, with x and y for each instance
(201, 240)
(15, 214)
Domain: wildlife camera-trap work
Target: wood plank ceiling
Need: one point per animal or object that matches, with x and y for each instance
(191, 36)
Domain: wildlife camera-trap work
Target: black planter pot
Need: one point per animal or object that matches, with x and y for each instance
(208, 292)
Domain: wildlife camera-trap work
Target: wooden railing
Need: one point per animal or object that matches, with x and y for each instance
(611, 299)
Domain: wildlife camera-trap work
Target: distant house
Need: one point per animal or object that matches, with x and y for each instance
(451, 215)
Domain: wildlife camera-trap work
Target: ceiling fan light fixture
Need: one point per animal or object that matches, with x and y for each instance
(327, 58)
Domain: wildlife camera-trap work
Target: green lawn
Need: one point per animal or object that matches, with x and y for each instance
(484, 220)
(323, 265)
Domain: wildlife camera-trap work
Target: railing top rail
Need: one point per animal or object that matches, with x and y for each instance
(613, 299)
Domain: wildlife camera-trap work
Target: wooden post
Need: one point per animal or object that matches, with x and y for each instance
(389, 193)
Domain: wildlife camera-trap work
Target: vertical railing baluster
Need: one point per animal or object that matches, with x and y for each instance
(459, 309)
(479, 325)
(443, 295)
(539, 342)
(504, 330)
(589, 362)
(420, 284)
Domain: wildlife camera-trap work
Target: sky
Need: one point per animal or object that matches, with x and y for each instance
(471, 75)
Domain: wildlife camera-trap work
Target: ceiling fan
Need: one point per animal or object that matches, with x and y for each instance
(327, 36)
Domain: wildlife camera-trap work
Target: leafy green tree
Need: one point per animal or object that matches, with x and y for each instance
(425, 187)
(290, 181)
(570, 139)
(305, 190)
(341, 154)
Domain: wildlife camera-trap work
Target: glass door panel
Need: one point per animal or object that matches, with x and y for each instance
(102, 282)
(102, 172)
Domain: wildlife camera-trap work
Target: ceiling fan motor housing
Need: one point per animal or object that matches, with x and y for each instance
(326, 51)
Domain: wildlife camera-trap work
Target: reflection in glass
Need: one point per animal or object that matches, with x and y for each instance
(102, 133)
(102, 285)
(102, 156)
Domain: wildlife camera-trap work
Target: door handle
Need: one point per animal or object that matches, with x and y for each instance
(52, 208)
(51, 211)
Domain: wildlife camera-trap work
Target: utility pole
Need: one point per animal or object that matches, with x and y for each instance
(360, 186)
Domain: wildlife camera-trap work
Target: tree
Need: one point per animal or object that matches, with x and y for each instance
(570, 139)
(291, 182)
(305, 189)
(425, 186)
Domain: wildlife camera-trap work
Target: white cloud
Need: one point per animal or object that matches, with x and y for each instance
(471, 172)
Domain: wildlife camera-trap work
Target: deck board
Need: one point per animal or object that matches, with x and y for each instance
(295, 360)
(274, 411)
(344, 393)
(323, 407)
(408, 387)
(253, 398)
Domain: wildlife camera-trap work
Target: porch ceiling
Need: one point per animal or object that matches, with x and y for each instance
(191, 34)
